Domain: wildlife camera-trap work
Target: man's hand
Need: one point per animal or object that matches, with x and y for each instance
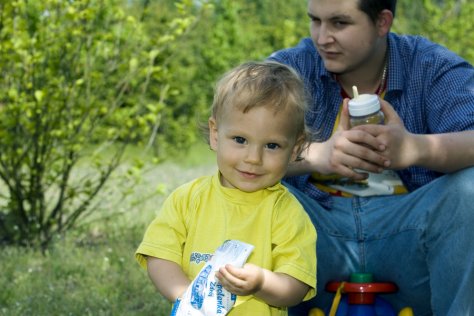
(402, 149)
(350, 149)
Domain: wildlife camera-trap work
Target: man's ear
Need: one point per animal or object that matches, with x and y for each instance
(384, 22)
(212, 133)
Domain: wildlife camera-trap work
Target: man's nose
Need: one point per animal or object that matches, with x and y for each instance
(323, 35)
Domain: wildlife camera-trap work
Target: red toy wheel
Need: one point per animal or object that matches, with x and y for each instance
(362, 293)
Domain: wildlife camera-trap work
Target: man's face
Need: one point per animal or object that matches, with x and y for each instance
(344, 36)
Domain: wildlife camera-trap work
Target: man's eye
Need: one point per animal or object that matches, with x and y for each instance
(313, 18)
(239, 140)
(340, 24)
(273, 146)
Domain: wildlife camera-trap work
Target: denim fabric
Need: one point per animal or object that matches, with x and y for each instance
(423, 241)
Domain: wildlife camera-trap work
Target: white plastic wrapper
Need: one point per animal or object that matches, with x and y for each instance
(206, 296)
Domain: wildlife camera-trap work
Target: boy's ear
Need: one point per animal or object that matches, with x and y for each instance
(384, 22)
(212, 133)
(299, 147)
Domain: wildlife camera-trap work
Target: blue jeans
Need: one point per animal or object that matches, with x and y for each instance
(423, 241)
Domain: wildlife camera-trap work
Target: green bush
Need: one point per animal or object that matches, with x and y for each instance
(75, 74)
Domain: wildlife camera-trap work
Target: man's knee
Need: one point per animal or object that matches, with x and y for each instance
(461, 183)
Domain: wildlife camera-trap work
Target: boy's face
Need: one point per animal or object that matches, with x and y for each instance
(344, 36)
(254, 148)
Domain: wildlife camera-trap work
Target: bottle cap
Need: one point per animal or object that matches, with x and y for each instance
(364, 104)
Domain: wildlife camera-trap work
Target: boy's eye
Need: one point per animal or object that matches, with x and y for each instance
(273, 146)
(239, 140)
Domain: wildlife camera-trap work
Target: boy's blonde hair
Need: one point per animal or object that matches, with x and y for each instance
(265, 83)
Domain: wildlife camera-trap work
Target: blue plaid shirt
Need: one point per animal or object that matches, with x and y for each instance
(430, 87)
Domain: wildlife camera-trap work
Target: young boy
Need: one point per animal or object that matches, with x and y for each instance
(256, 129)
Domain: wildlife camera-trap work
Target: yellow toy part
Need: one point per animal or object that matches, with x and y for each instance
(318, 312)
(407, 311)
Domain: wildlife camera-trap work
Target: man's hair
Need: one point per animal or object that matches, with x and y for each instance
(262, 83)
(373, 7)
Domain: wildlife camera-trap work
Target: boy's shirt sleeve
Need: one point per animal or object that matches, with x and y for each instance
(295, 243)
(165, 236)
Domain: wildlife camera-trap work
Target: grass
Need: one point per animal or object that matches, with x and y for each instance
(91, 270)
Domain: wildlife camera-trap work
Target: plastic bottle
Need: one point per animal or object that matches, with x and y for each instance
(365, 109)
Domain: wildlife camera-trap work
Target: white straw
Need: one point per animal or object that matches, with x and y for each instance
(355, 92)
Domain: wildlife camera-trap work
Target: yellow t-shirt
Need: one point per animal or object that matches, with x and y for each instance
(200, 215)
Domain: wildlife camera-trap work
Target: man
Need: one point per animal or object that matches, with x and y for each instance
(413, 226)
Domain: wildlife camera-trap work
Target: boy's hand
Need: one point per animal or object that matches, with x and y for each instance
(241, 281)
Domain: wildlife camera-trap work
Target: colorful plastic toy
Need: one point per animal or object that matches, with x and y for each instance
(359, 298)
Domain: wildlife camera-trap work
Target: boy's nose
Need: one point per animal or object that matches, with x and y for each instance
(254, 155)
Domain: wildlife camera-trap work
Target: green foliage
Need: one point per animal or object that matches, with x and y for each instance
(447, 22)
(73, 73)
(228, 33)
(452, 25)
(173, 129)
